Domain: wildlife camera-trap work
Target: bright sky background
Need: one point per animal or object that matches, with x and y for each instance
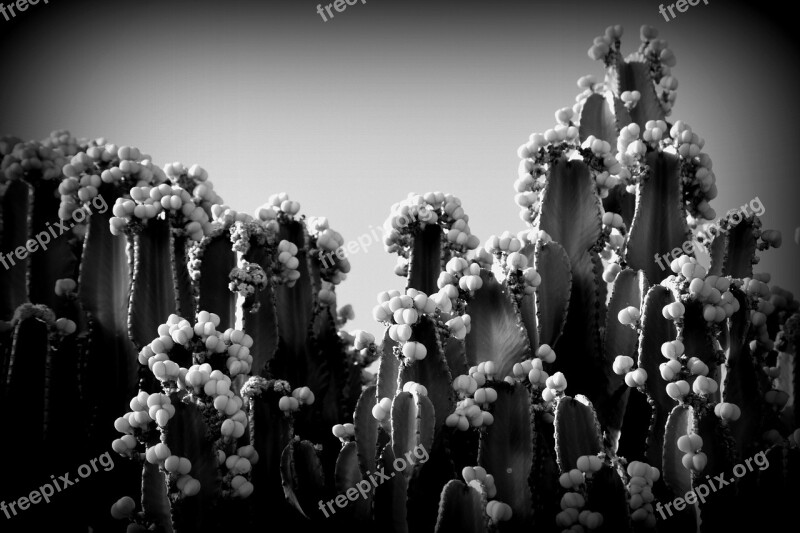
(349, 116)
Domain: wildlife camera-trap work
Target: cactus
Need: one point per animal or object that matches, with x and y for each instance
(554, 379)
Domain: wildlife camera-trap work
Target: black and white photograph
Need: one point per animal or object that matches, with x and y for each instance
(393, 266)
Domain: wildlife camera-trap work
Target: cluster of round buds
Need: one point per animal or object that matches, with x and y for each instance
(760, 292)
(606, 44)
(640, 488)
(268, 217)
(429, 208)
(344, 432)
(288, 263)
(148, 202)
(531, 180)
(223, 216)
(673, 311)
(574, 478)
(597, 154)
(777, 398)
(144, 409)
(727, 411)
(546, 354)
(630, 149)
(477, 478)
(505, 244)
(677, 390)
(159, 408)
(175, 331)
(483, 371)
(712, 291)
(25, 158)
(327, 294)
(613, 221)
(363, 341)
(240, 465)
(700, 179)
(195, 178)
(328, 242)
(622, 364)
(382, 409)
(693, 458)
(151, 407)
(671, 370)
(402, 311)
(572, 502)
(629, 316)
(652, 45)
(416, 208)
(589, 86)
(84, 175)
(283, 204)
(704, 385)
(65, 326)
(65, 287)
(654, 132)
(630, 98)
(536, 156)
(589, 464)
(67, 144)
(237, 347)
(468, 413)
(160, 454)
(465, 385)
(177, 465)
(415, 388)
(414, 351)
(562, 138)
(459, 326)
(459, 271)
(770, 238)
(634, 377)
(573, 517)
(533, 370)
(299, 396)
(554, 387)
(123, 508)
(564, 116)
(498, 511)
(687, 143)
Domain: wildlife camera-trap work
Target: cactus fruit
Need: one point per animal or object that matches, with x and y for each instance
(556, 379)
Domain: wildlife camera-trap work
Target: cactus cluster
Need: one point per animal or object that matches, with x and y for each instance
(555, 378)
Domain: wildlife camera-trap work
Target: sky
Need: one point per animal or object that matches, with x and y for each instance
(351, 114)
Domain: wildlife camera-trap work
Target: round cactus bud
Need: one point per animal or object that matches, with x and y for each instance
(622, 364)
(123, 508)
